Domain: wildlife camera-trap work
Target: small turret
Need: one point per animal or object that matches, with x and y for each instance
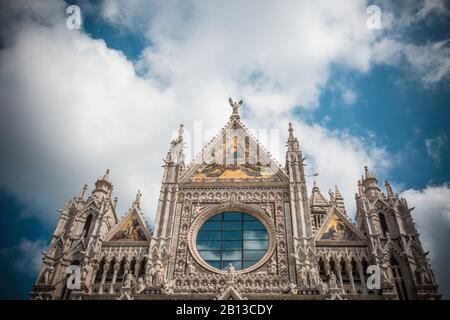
(293, 144)
(103, 186)
(370, 184)
(390, 192)
(82, 191)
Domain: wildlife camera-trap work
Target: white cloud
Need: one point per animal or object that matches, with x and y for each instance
(430, 62)
(26, 255)
(77, 107)
(349, 96)
(339, 159)
(436, 146)
(426, 60)
(432, 6)
(73, 107)
(432, 217)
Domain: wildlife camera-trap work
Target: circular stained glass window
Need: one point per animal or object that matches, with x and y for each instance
(235, 238)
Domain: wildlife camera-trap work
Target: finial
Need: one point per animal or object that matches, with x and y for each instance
(83, 191)
(389, 190)
(137, 201)
(337, 191)
(180, 132)
(360, 188)
(314, 175)
(367, 173)
(105, 178)
(235, 105)
(291, 130)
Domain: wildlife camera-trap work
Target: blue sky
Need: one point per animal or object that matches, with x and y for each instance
(112, 94)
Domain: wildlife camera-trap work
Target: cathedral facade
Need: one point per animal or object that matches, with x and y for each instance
(234, 224)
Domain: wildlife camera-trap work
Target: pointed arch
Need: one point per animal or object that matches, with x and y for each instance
(383, 224)
(87, 225)
(398, 279)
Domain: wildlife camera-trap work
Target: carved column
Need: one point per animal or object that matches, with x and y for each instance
(105, 271)
(350, 275)
(95, 267)
(361, 275)
(339, 273)
(126, 267)
(116, 270)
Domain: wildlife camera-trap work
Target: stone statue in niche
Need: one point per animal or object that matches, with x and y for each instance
(127, 288)
(423, 276)
(313, 276)
(158, 274)
(140, 286)
(385, 266)
(231, 273)
(273, 268)
(180, 267)
(322, 287)
(48, 274)
(149, 273)
(333, 282)
(190, 268)
(304, 277)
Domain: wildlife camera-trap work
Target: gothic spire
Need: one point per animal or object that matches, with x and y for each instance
(293, 144)
(317, 199)
(106, 177)
(180, 132)
(339, 199)
(137, 201)
(291, 131)
(103, 185)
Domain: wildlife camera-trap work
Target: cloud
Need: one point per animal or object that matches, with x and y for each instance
(26, 255)
(432, 217)
(78, 107)
(425, 60)
(429, 62)
(340, 159)
(432, 6)
(436, 147)
(349, 96)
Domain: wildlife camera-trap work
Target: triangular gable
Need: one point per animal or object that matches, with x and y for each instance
(234, 155)
(337, 227)
(132, 228)
(373, 205)
(317, 200)
(230, 294)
